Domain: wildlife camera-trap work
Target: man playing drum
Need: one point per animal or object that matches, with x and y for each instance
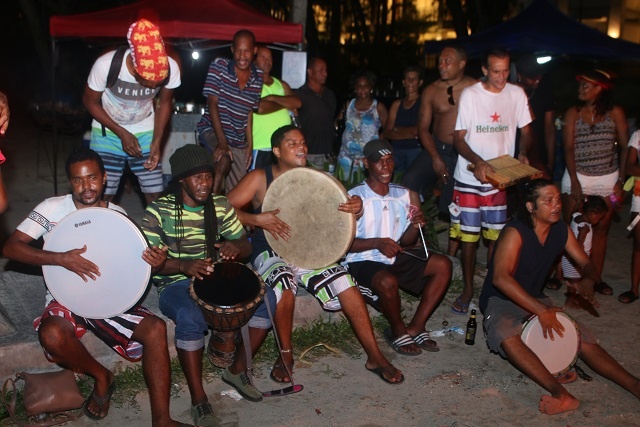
(331, 285)
(513, 290)
(379, 257)
(60, 330)
(195, 224)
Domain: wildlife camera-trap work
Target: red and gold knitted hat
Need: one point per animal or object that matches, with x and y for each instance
(147, 51)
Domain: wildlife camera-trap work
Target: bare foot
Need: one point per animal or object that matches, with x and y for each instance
(556, 405)
(389, 373)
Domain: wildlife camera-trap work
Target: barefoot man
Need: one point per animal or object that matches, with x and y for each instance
(513, 290)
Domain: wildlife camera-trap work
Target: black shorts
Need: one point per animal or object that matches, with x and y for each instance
(408, 270)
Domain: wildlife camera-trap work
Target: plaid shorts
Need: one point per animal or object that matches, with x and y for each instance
(116, 331)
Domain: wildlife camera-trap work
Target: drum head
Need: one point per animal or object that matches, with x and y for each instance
(308, 201)
(559, 355)
(115, 244)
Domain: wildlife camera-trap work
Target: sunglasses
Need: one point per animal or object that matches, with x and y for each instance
(450, 93)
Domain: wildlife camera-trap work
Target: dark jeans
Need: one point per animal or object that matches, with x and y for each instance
(421, 178)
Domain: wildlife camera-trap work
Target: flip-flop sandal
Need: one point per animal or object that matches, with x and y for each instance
(424, 341)
(553, 284)
(603, 288)
(398, 343)
(464, 308)
(380, 372)
(283, 368)
(627, 297)
(100, 401)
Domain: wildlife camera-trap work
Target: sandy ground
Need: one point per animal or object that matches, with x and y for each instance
(459, 386)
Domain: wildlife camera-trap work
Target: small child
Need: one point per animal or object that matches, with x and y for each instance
(633, 169)
(593, 210)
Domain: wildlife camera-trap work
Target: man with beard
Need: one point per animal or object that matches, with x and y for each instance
(199, 227)
(232, 89)
(136, 334)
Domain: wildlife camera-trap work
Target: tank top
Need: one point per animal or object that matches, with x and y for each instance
(595, 149)
(407, 117)
(534, 262)
(264, 125)
(360, 128)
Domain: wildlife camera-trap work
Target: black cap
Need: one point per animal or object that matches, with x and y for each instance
(376, 149)
(189, 160)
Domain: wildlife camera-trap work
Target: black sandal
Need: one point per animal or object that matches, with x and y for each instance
(603, 288)
(553, 284)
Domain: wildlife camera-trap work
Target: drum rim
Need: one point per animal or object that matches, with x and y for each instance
(229, 309)
(345, 196)
(48, 270)
(533, 317)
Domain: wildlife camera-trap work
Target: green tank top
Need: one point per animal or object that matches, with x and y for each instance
(265, 124)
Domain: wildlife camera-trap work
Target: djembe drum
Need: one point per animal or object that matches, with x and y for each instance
(228, 297)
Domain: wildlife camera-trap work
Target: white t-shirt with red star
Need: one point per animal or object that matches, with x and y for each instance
(491, 120)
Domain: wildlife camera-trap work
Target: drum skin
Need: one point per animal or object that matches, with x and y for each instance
(308, 201)
(115, 244)
(559, 355)
(229, 296)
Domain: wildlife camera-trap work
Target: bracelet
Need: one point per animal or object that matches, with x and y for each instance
(361, 211)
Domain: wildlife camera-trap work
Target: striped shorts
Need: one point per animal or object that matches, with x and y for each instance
(479, 208)
(115, 332)
(325, 284)
(110, 149)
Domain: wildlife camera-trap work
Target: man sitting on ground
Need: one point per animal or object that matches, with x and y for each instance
(526, 250)
(380, 261)
(60, 330)
(332, 285)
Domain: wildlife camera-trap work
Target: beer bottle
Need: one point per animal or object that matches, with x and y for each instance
(472, 325)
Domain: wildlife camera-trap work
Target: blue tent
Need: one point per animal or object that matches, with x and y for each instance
(542, 29)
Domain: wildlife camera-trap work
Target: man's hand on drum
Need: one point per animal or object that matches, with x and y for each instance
(388, 247)
(270, 222)
(550, 322)
(353, 205)
(196, 267)
(228, 250)
(74, 261)
(156, 257)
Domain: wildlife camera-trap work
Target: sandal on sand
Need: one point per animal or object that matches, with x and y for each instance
(400, 342)
(567, 377)
(627, 297)
(464, 308)
(553, 284)
(424, 341)
(603, 288)
(380, 372)
(100, 401)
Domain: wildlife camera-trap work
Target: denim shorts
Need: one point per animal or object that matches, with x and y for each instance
(191, 327)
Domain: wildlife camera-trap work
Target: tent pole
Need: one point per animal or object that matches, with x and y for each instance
(55, 118)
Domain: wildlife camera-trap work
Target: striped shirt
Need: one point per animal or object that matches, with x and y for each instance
(384, 216)
(234, 104)
(159, 225)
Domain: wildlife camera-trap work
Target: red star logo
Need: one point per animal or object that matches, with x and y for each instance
(495, 117)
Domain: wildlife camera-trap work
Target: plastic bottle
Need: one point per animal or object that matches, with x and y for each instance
(472, 326)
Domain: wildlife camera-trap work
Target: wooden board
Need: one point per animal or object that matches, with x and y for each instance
(508, 171)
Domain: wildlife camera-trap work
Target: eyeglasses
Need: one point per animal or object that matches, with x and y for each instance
(450, 93)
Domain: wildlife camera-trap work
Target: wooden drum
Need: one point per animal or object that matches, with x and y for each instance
(308, 201)
(228, 297)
